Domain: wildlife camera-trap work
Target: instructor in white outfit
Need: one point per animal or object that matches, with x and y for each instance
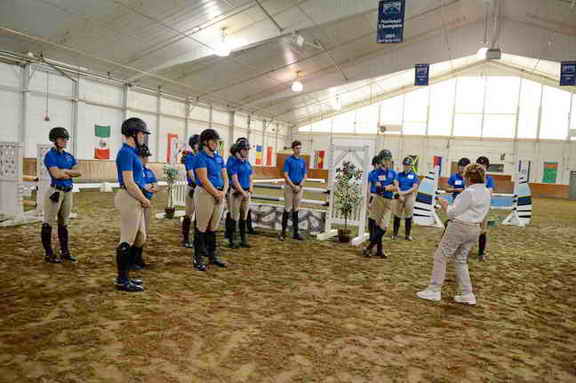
(465, 216)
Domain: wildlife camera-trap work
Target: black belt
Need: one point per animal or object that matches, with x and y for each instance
(380, 195)
(64, 189)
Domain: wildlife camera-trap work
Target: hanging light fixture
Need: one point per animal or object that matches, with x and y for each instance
(297, 85)
(223, 48)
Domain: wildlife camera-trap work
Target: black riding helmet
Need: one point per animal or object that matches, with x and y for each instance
(482, 160)
(376, 160)
(144, 151)
(464, 161)
(207, 135)
(408, 161)
(234, 150)
(58, 132)
(242, 143)
(134, 125)
(194, 140)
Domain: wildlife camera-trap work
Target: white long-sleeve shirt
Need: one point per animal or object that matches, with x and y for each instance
(472, 205)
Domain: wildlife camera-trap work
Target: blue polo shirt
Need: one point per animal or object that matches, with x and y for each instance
(456, 181)
(372, 179)
(490, 183)
(243, 170)
(127, 159)
(296, 169)
(189, 165)
(60, 160)
(385, 177)
(149, 178)
(406, 181)
(213, 165)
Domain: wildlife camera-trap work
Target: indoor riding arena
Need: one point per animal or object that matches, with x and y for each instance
(287, 191)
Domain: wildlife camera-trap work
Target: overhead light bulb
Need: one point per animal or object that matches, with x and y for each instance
(297, 85)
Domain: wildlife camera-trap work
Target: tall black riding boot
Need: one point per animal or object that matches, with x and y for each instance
(408, 228)
(370, 229)
(138, 257)
(482, 246)
(379, 234)
(199, 251)
(46, 235)
(397, 222)
(249, 227)
(123, 261)
(295, 224)
(232, 234)
(284, 225)
(186, 222)
(243, 240)
(211, 247)
(63, 238)
(227, 225)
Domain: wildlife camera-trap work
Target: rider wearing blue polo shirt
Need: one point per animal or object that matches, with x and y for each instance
(381, 208)
(240, 173)
(194, 143)
(373, 190)
(62, 167)
(490, 185)
(210, 175)
(407, 185)
(456, 181)
(131, 202)
(295, 173)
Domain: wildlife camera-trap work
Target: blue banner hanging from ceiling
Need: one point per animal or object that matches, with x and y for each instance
(391, 21)
(568, 73)
(422, 74)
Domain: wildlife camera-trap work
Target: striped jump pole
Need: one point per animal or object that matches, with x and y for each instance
(281, 199)
(282, 187)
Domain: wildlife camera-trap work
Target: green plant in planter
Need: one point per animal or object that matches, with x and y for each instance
(348, 190)
(171, 174)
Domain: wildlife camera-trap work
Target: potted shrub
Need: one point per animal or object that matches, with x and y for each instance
(171, 174)
(347, 195)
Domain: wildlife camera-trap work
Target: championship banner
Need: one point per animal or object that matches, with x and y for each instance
(550, 172)
(269, 151)
(258, 154)
(319, 159)
(172, 151)
(102, 150)
(568, 73)
(422, 74)
(391, 21)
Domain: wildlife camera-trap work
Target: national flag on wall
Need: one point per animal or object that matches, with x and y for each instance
(258, 154)
(437, 161)
(269, 151)
(102, 150)
(319, 159)
(172, 151)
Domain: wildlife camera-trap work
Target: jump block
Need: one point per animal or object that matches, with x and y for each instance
(269, 216)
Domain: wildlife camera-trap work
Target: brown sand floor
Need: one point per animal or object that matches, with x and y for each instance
(288, 312)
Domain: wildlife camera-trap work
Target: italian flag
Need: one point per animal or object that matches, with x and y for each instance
(102, 150)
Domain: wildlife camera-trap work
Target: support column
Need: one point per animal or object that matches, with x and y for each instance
(231, 123)
(26, 75)
(187, 109)
(158, 112)
(75, 115)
